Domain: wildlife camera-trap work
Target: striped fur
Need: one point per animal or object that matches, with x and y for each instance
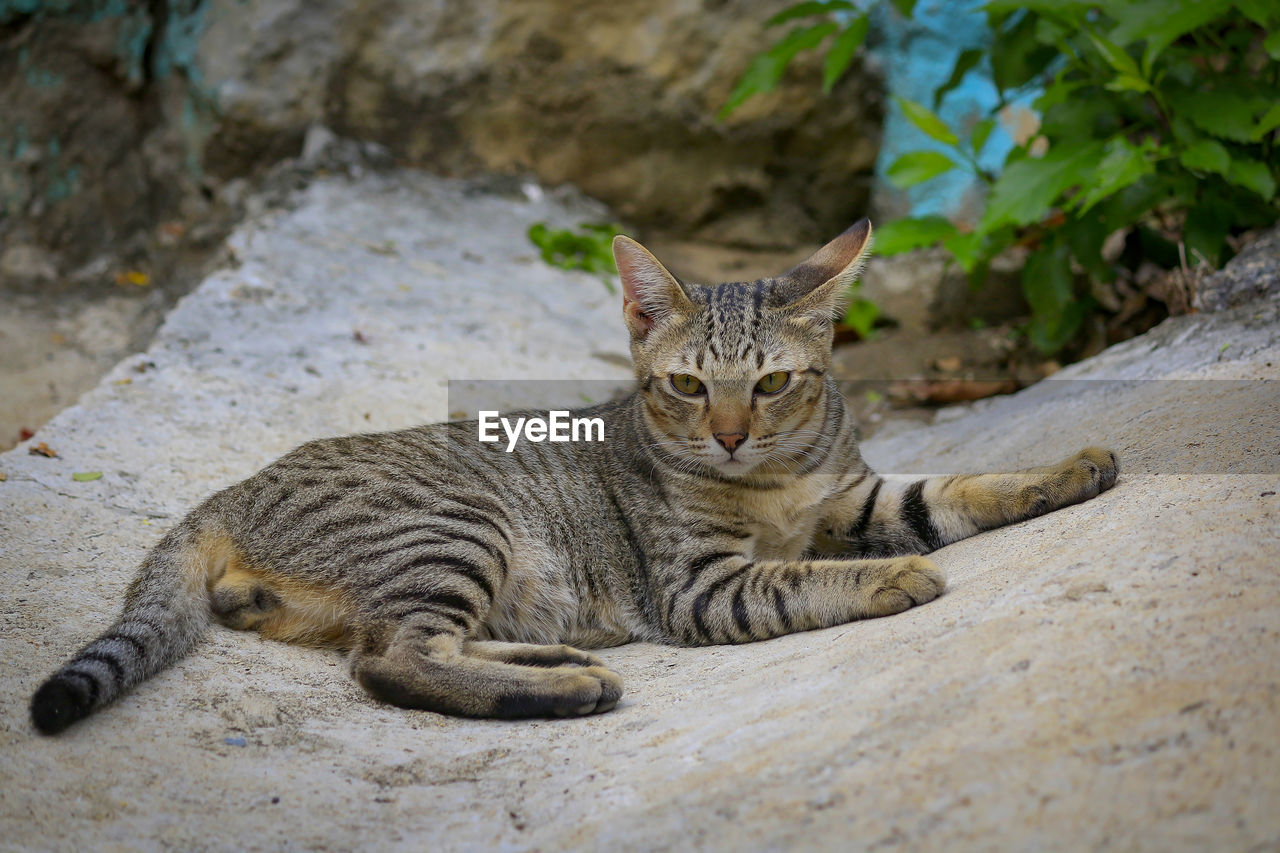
(462, 577)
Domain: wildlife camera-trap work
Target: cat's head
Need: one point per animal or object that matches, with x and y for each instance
(733, 375)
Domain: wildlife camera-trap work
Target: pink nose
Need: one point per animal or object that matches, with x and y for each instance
(730, 440)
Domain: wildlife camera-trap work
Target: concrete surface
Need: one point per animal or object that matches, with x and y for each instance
(53, 350)
(1105, 677)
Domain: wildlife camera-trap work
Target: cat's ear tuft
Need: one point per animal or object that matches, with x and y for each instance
(650, 294)
(822, 281)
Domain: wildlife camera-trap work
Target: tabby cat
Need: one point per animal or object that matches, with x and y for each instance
(729, 504)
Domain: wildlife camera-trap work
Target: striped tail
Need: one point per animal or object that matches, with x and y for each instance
(166, 611)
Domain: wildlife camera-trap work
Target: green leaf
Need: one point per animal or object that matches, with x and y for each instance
(86, 476)
(842, 51)
(916, 167)
(808, 9)
(1059, 91)
(1133, 203)
(1048, 285)
(1252, 175)
(925, 119)
(861, 316)
(1047, 279)
(1261, 12)
(903, 235)
(1070, 10)
(1272, 44)
(1161, 22)
(967, 249)
(1270, 121)
(1029, 188)
(905, 7)
(981, 133)
(1229, 115)
(1017, 56)
(1115, 56)
(1127, 83)
(761, 76)
(1084, 235)
(1051, 333)
(1205, 230)
(1206, 156)
(1123, 164)
(764, 72)
(591, 250)
(965, 62)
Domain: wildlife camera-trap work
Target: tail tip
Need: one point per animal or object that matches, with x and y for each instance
(58, 703)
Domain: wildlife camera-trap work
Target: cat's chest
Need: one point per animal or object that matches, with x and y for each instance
(782, 521)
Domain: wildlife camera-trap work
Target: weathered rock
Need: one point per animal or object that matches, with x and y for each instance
(1103, 677)
(1251, 275)
(618, 99)
(93, 138)
(926, 290)
(23, 265)
(118, 116)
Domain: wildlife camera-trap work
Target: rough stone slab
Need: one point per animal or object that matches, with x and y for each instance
(1251, 275)
(1105, 677)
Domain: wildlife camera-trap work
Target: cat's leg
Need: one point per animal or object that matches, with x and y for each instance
(415, 663)
(884, 518)
(529, 654)
(728, 598)
(242, 600)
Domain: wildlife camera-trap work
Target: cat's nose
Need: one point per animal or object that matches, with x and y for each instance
(730, 440)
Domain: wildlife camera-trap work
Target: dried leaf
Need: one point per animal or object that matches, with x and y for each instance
(42, 449)
(948, 363)
(951, 390)
(135, 277)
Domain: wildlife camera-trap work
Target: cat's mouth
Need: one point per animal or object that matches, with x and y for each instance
(734, 466)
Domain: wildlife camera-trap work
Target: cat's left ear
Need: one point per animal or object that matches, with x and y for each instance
(824, 277)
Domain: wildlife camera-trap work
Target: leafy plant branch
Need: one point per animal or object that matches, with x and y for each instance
(1158, 123)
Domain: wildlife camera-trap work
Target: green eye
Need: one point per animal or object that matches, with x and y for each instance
(774, 382)
(686, 383)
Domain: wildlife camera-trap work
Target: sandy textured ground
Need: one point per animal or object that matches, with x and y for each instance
(1105, 677)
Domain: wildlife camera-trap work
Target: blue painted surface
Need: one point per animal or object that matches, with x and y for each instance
(917, 56)
(174, 56)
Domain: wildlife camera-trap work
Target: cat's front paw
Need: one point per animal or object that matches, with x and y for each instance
(1093, 470)
(910, 581)
(585, 690)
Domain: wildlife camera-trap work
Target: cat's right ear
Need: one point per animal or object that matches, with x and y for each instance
(650, 294)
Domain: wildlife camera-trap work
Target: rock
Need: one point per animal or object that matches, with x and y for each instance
(708, 263)
(621, 103)
(1101, 677)
(1251, 275)
(24, 265)
(88, 156)
(120, 117)
(925, 290)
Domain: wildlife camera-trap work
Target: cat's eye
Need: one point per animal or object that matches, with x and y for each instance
(773, 383)
(686, 383)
